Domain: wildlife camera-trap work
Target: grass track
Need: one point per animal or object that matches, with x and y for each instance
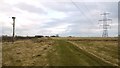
(66, 54)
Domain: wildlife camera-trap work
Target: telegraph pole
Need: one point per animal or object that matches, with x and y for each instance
(105, 24)
(13, 29)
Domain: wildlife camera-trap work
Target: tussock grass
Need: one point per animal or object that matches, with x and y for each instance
(26, 52)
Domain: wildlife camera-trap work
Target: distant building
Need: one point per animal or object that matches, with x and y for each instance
(69, 36)
(46, 36)
(53, 36)
(38, 36)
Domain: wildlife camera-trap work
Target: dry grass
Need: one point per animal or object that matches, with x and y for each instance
(37, 51)
(105, 50)
(26, 53)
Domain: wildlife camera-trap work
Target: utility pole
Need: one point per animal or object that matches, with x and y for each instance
(105, 24)
(13, 29)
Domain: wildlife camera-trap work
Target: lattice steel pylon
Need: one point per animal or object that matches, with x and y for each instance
(105, 24)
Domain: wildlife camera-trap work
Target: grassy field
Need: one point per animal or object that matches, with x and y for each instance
(107, 51)
(26, 52)
(61, 52)
(69, 55)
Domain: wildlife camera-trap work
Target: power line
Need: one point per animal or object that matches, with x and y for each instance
(81, 11)
(105, 24)
(87, 10)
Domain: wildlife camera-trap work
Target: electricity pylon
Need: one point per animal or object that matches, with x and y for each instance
(105, 24)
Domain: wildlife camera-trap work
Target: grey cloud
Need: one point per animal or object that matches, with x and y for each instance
(30, 8)
(8, 9)
(6, 30)
(75, 17)
(60, 6)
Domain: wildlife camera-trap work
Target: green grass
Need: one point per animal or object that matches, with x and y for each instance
(67, 54)
(106, 50)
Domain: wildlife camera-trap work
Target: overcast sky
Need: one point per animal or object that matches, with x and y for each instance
(51, 17)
